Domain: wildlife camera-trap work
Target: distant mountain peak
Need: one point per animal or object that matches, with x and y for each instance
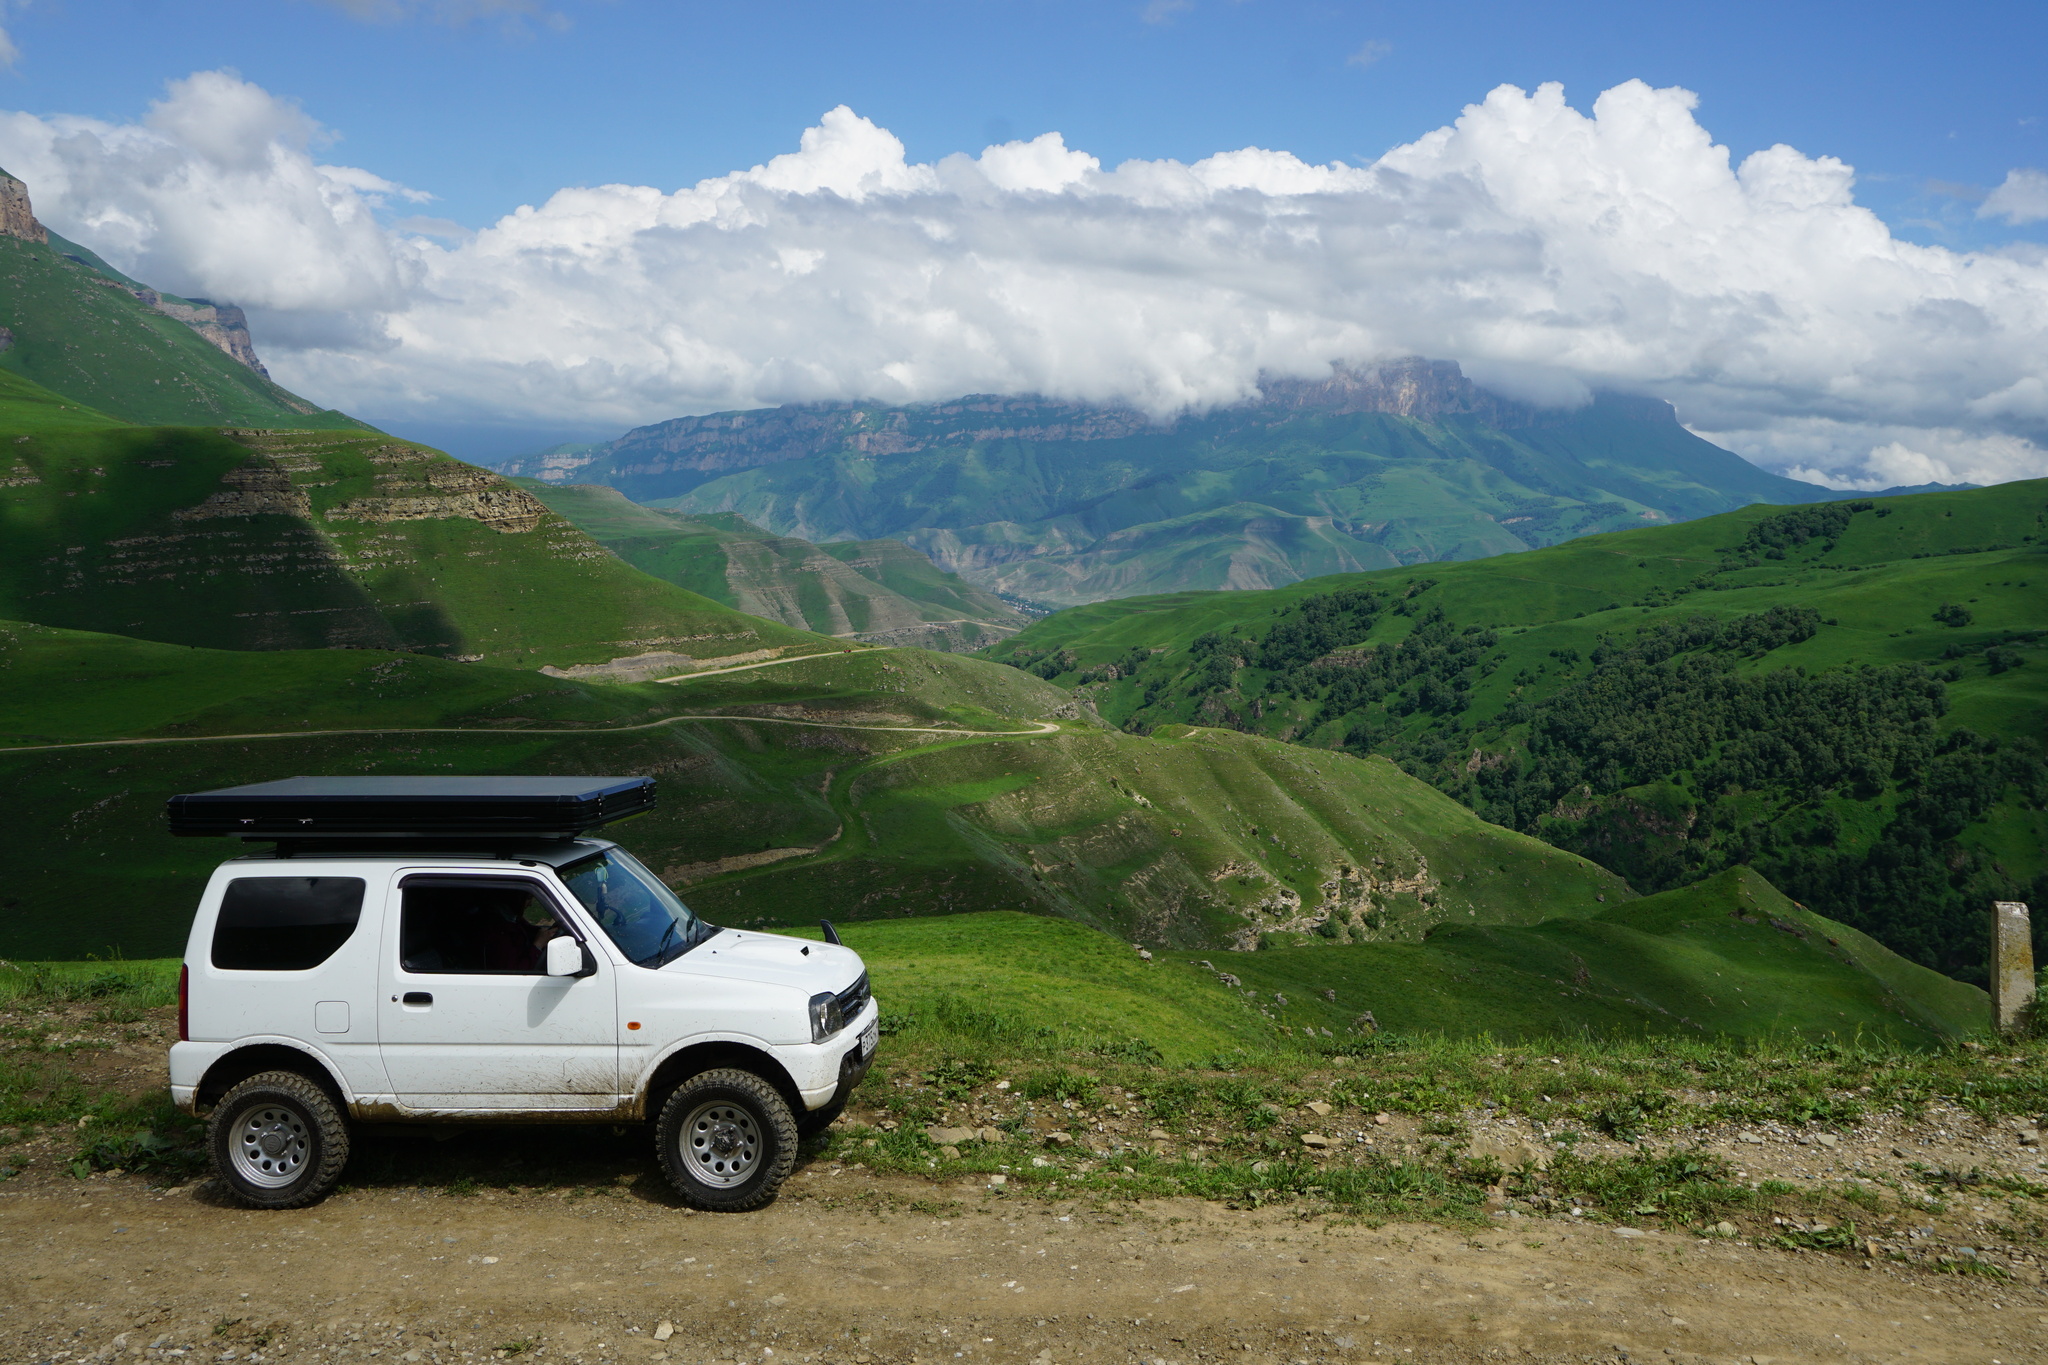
(1410, 386)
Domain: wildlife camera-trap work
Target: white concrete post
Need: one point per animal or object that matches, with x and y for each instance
(2012, 964)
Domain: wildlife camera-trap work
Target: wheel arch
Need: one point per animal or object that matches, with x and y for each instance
(230, 1069)
(686, 1062)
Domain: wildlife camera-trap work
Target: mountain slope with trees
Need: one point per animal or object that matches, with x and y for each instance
(1850, 696)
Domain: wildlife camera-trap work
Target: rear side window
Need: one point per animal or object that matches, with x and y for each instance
(285, 924)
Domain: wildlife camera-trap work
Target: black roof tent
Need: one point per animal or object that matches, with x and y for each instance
(411, 809)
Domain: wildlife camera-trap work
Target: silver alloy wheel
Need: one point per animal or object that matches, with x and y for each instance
(721, 1144)
(271, 1146)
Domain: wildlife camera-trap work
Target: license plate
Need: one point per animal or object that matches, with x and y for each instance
(868, 1037)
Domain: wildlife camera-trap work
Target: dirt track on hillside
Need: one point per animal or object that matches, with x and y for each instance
(845, 1269)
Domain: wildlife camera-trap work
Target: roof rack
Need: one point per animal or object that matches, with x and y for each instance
(413, 811)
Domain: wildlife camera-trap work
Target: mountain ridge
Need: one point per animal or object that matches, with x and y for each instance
(1063, 503)
(76, 326)
(722, 442)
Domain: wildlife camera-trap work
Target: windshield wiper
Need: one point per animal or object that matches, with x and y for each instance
(655, 958)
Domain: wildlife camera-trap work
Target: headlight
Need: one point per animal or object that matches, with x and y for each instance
(826, 1016)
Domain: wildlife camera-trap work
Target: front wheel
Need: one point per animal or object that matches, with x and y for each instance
(278, 1141)
(726, 1140)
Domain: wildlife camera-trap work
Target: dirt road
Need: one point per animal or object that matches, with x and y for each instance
(852, 1268)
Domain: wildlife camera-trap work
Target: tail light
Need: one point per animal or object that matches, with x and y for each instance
(184, 1003)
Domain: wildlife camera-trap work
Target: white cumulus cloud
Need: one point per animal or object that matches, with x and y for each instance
(1553, 251)
(217, 193)
(2022, 197)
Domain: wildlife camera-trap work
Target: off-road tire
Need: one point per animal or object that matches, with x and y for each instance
(816, 1121)
(726, 1140)
(290, 1114)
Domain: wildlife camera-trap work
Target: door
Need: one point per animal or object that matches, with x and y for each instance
(468, 1017)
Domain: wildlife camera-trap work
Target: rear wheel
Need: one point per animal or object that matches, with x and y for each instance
(278, 1141)
(726, 1140)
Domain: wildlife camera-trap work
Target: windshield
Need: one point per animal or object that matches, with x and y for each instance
(630, 904)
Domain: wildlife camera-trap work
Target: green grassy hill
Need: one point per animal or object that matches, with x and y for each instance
(1730, 958)
(841, 784)
(79, 331)
(1850, 696)
(259, 539)
(876, 590)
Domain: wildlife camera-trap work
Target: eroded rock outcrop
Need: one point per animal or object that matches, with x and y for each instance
(223, 324)
(1352, 907)
(419, 485)
(17, 216)
(259, 488)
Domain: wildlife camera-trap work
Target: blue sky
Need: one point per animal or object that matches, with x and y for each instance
(502, 223)
(489, 105)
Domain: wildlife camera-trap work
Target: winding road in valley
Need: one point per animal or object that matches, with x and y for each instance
(839, 785)
(1039, 727)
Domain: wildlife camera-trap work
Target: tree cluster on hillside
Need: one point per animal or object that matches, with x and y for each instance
(1664, 754)
(1668, 766)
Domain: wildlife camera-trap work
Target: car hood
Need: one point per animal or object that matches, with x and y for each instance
(748, 955)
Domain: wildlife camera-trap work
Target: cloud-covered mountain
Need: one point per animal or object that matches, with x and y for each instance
(1552, 252)
(1403, 462)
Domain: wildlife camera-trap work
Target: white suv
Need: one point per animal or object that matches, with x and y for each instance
(383, 974)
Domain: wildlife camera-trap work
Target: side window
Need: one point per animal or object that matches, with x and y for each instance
(285, 924)
(477, 927)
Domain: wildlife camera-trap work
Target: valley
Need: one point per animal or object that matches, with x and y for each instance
(1154, 739)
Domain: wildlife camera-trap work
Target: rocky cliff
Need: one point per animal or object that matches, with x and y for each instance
(722, 442)
(223, 324)
(17, 217)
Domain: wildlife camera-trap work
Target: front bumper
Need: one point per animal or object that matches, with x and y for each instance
(853, 1067)
(857, 1045)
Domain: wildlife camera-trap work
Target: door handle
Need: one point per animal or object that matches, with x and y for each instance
(419, 997)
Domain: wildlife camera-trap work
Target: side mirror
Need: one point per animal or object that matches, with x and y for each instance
(565, 956)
